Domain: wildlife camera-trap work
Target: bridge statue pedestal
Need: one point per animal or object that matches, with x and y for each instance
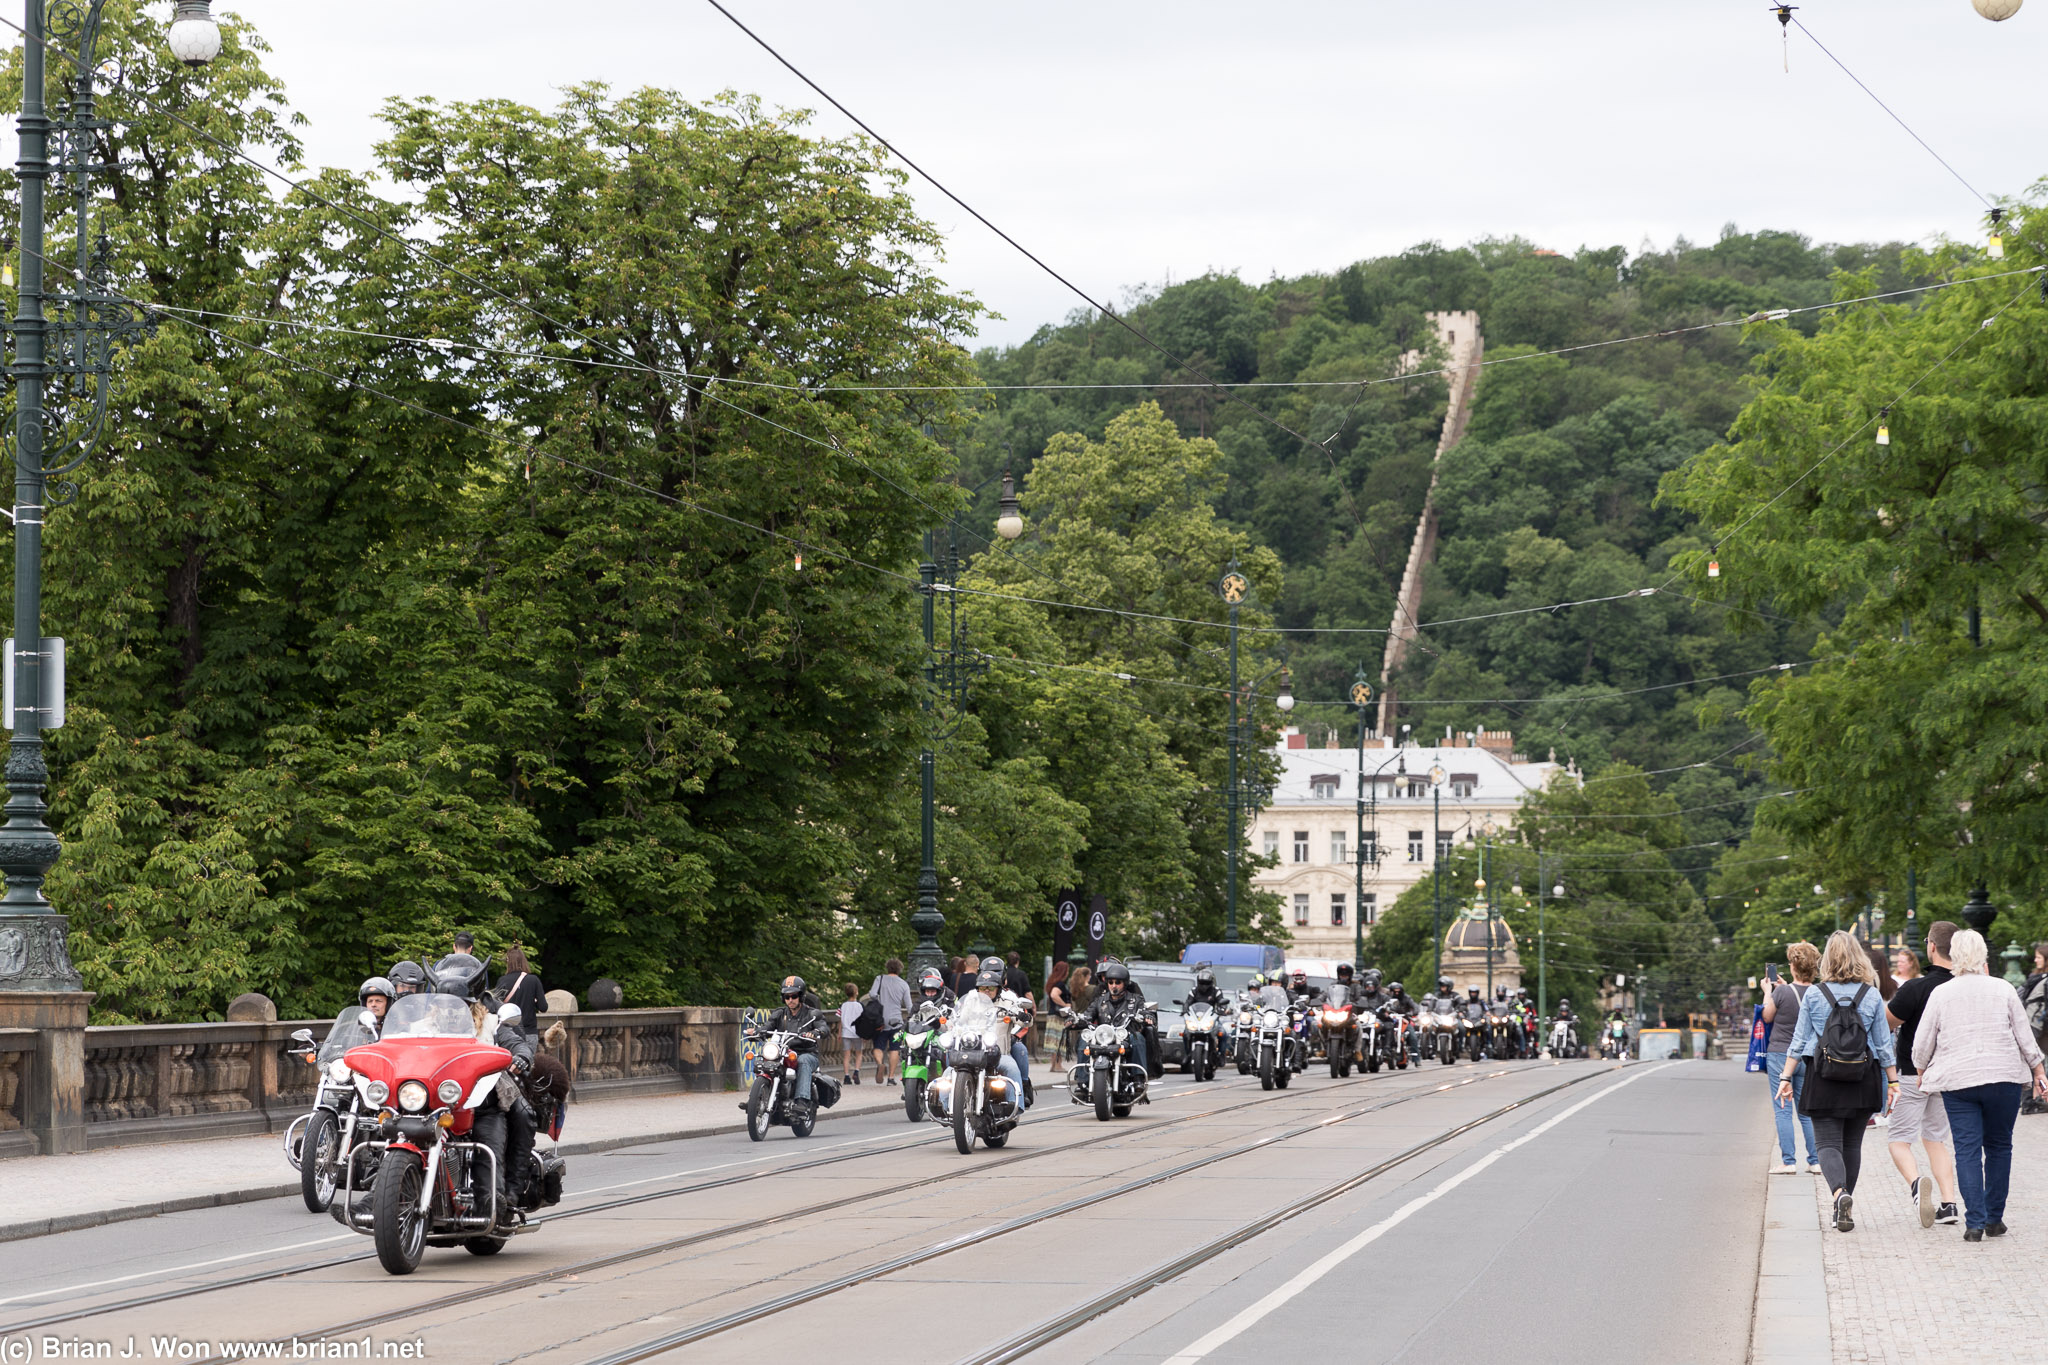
(42, 1068)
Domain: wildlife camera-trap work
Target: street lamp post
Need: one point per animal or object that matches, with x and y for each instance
(75, 348)
(1436, 864)
(1361, 697)
(1234, 588)
(945, 674)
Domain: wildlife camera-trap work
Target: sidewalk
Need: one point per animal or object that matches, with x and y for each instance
(43, 1194)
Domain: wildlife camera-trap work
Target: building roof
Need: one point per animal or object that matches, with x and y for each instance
(1495, 779)
(1469, 935)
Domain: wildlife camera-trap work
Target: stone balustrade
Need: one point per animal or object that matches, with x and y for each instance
(166, 1082)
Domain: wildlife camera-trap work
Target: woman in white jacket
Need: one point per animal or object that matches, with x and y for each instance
(1974, 1047)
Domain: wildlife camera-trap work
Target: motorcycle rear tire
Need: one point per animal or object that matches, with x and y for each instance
(317, 1159)
(484, 1246)
(758, 1107)
(803, 1116)
(1372, 1062)
(399, 1228)
(1266, 1068)
(913, 1098)
(963, 1118)
(1101, 1086)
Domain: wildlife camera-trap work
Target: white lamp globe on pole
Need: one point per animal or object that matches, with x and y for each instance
(194, 37)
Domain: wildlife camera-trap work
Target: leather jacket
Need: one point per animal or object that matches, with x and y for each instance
(1110, 1009)
(806, 1021)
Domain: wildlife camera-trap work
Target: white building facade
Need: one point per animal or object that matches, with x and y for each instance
(1311, 824)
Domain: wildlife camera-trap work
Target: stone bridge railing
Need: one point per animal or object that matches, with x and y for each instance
(165, 1082)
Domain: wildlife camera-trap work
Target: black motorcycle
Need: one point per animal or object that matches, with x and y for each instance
(1108, 1074)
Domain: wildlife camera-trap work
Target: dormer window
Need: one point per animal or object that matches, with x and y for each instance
(1323, 786)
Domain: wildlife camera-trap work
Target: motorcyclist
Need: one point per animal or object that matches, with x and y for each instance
(1205, 989)
(993, 981)
(503, 1123)
(375, 995)
(931, 987)
(406, 978)
(1300, 991)
(1398, 1001)
(1370, 995)
(800, 1015)
(1122, 1003)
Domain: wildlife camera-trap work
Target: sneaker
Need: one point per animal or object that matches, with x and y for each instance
(1813, 1168)
(1995, 1228)
(1973, 1235)
(1845, 1204)
(1923, 1191)
(1788, 1168)
(1946, 1214)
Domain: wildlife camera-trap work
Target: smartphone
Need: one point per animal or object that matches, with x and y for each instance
(1771, 972)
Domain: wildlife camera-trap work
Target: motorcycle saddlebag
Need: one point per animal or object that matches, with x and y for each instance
(826, 1090)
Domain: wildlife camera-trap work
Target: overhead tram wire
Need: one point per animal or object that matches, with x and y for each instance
(1228, 396)
(1785, 12)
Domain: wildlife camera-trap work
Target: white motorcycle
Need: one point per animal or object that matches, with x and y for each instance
(973, 1095)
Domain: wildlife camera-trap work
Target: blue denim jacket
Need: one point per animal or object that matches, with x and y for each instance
(1813, 1017)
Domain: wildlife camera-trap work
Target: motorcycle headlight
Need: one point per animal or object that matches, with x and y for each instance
(376, 1092)
(1333, 1016)
(337, 1071)
(412, 1097)
(1271, 1019)
(773, 1052)
(450, 1091)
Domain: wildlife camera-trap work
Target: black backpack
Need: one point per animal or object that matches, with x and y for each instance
(1844, 1043)
(870, 1021)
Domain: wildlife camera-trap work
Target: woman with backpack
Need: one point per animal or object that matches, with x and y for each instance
(1841, 1040)
(1974, 1046)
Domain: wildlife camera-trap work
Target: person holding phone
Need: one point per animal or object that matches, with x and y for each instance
(1781, 1012)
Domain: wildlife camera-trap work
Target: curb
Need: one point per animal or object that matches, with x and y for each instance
(92, 1218)
(1789, 1323)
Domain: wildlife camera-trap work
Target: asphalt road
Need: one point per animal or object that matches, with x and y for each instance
(1549, 1210)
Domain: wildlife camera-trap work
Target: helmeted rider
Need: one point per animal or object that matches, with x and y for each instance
(503, 1123)
(1370, 994)
(1398, 1001)
(931, 986)
(1299, 990)
(1475, 1007)
(1564, 1011)
(799, 1015)
(375, 996)
(1205, 987)
(1119, 1002)
(406, 978)
(991, 981)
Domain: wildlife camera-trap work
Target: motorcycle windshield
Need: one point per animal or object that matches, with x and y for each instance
(349, 1031)
(1273, 997)
(429, 1016)
(1339, 997)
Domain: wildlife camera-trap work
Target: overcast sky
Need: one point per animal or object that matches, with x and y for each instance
(1131, 142)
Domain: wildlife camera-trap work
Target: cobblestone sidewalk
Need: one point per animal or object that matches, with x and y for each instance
(1904, 1295)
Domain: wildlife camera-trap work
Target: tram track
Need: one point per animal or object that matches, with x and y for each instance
(708, 1328)
(184, 1292)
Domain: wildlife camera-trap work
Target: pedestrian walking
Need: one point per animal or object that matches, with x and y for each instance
(1918, 1114)
(1056, 996)
(1843, 1039)
(2034, 996)
(1974, 1047)
(519, 986)
(849, 1040)
(894, 994)
(1781, 1012)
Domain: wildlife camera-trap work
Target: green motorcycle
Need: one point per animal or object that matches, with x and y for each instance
(923, 1058)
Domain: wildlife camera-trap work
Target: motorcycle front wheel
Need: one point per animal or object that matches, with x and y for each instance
(317, 1160)
(1266, 1078)
(759, 1103)
(1101, 1086)
(963, 1120)
(913, 1098)
(399, 1228)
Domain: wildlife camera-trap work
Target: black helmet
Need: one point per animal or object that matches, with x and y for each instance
(1500, 992)
(376, 985)
(994, 971)
(459, 974)
(1343, 971)
(1395, 989)
(1444, 986)
(1116, 971)
(1204, 977)
(408, 978)
(792, 987)
(1372, 978)
(931, 981)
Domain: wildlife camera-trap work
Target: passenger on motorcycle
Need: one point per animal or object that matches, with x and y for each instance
(375, 995)
(800, 1015)
(1122, 1003)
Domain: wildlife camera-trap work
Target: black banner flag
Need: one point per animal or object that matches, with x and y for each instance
(1066, 918)
(1098, 927)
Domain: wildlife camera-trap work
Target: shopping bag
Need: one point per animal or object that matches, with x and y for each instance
(1759, 1041)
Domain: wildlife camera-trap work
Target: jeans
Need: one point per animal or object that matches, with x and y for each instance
(1841, 1149)
(806, 1066)
(1981, 1117)
(1784, 1114)
(1020, 1057)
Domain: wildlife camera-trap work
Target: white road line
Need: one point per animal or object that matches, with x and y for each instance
(180, 1269)
(1253, 1315)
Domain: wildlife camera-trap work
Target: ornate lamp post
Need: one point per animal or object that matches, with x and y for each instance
(946, 673)
(52, 438)
(1436, 867)
(1234, 587)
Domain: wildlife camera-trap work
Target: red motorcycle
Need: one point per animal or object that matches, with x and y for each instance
(435, 1183)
